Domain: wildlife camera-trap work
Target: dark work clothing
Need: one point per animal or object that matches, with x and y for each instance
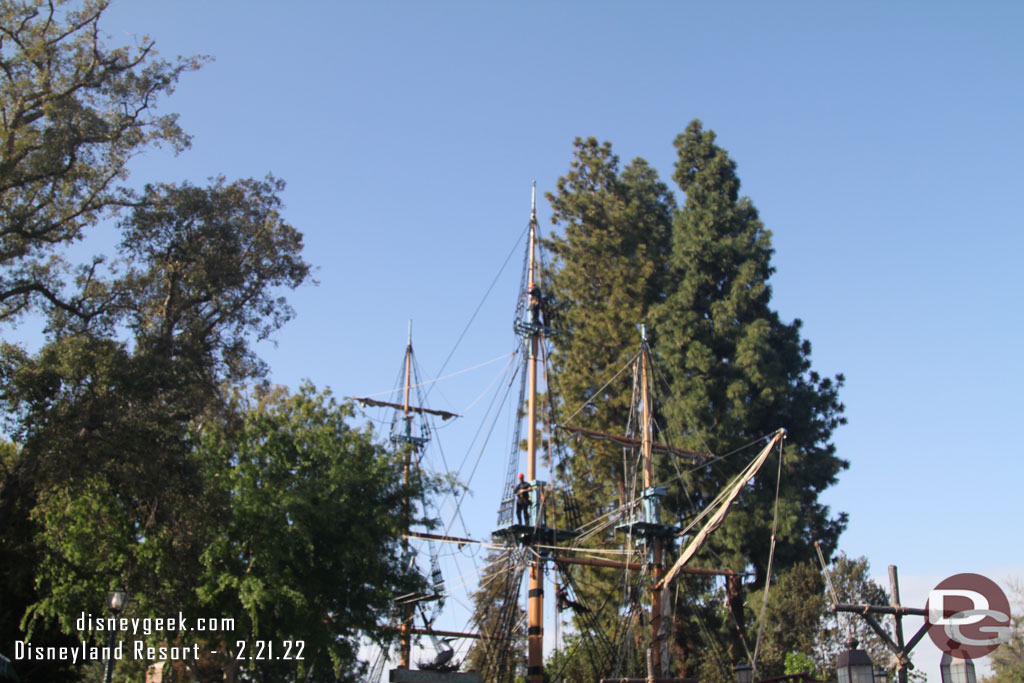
(522, 493)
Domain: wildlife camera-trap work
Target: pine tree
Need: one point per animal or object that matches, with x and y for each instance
(609, 270)
(733, 369)
(737, 371)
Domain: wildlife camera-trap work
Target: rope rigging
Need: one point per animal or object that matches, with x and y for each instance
(611, 635)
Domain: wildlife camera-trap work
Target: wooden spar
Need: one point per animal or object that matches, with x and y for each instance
(445, 634)
(647, 440)
(894, 596)
(626, 441)
(438, 537)
(895, 610)
(405, 642)
(443, 414)
(597, 562)
(636, 566)
(535, 603)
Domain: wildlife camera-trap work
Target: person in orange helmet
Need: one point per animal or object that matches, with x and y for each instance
(522, 493)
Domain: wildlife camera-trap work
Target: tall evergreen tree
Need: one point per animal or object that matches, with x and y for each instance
(737, 371)
(733, 369)
(609, 271)
(610, 263)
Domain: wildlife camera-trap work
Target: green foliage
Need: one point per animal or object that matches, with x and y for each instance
(207, 262)
(106, 487)
(578, 661)
(609, 270)
(851, 578)
(737, 372)
(798, 663)
(792, 620)
(801, 633)
(698, 274)
(496, 613)
(103, 422)
(1008, 659)
(309, 546)
(74, 112)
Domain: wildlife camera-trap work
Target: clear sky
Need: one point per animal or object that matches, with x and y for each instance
(880, 141)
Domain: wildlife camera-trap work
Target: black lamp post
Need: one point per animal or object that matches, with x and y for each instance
(853, 665)
(115, 603)
(744, 672)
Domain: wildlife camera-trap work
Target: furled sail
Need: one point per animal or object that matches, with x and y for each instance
(721, 509)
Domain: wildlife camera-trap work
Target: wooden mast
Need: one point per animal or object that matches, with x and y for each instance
(535, 602)
(659, 658)
(405, 642)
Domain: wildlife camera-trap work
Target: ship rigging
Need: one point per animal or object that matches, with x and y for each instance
(550, 537)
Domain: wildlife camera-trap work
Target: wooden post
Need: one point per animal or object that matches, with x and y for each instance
(901, 649)
(897, 620)
(734, 600)
(659, 661)
(535, 596)
(404, 641)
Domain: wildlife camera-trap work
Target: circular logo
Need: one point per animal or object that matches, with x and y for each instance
(968, 616)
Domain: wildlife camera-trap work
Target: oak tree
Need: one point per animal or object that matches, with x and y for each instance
(73, 113)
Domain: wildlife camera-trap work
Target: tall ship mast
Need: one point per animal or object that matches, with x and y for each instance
(541, 537)
(550, 538)
(409, 437)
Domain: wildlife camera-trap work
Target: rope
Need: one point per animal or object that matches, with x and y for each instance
(481, 304)
(483, 446)
(708, 638)
(435, 380)
(576, 412)
(487, 389)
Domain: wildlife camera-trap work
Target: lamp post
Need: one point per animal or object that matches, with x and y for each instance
(956, 670)
(744, 672)
(881, 675)
(115, 603)
(853, 665)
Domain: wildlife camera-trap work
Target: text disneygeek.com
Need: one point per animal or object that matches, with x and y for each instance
(136, 648)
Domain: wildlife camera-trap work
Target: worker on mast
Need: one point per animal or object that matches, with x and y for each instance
(536, 303)
(522, 494)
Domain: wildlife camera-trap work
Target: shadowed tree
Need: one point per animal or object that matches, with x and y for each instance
(106, 484)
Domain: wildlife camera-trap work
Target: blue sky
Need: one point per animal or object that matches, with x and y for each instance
(881, 143)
